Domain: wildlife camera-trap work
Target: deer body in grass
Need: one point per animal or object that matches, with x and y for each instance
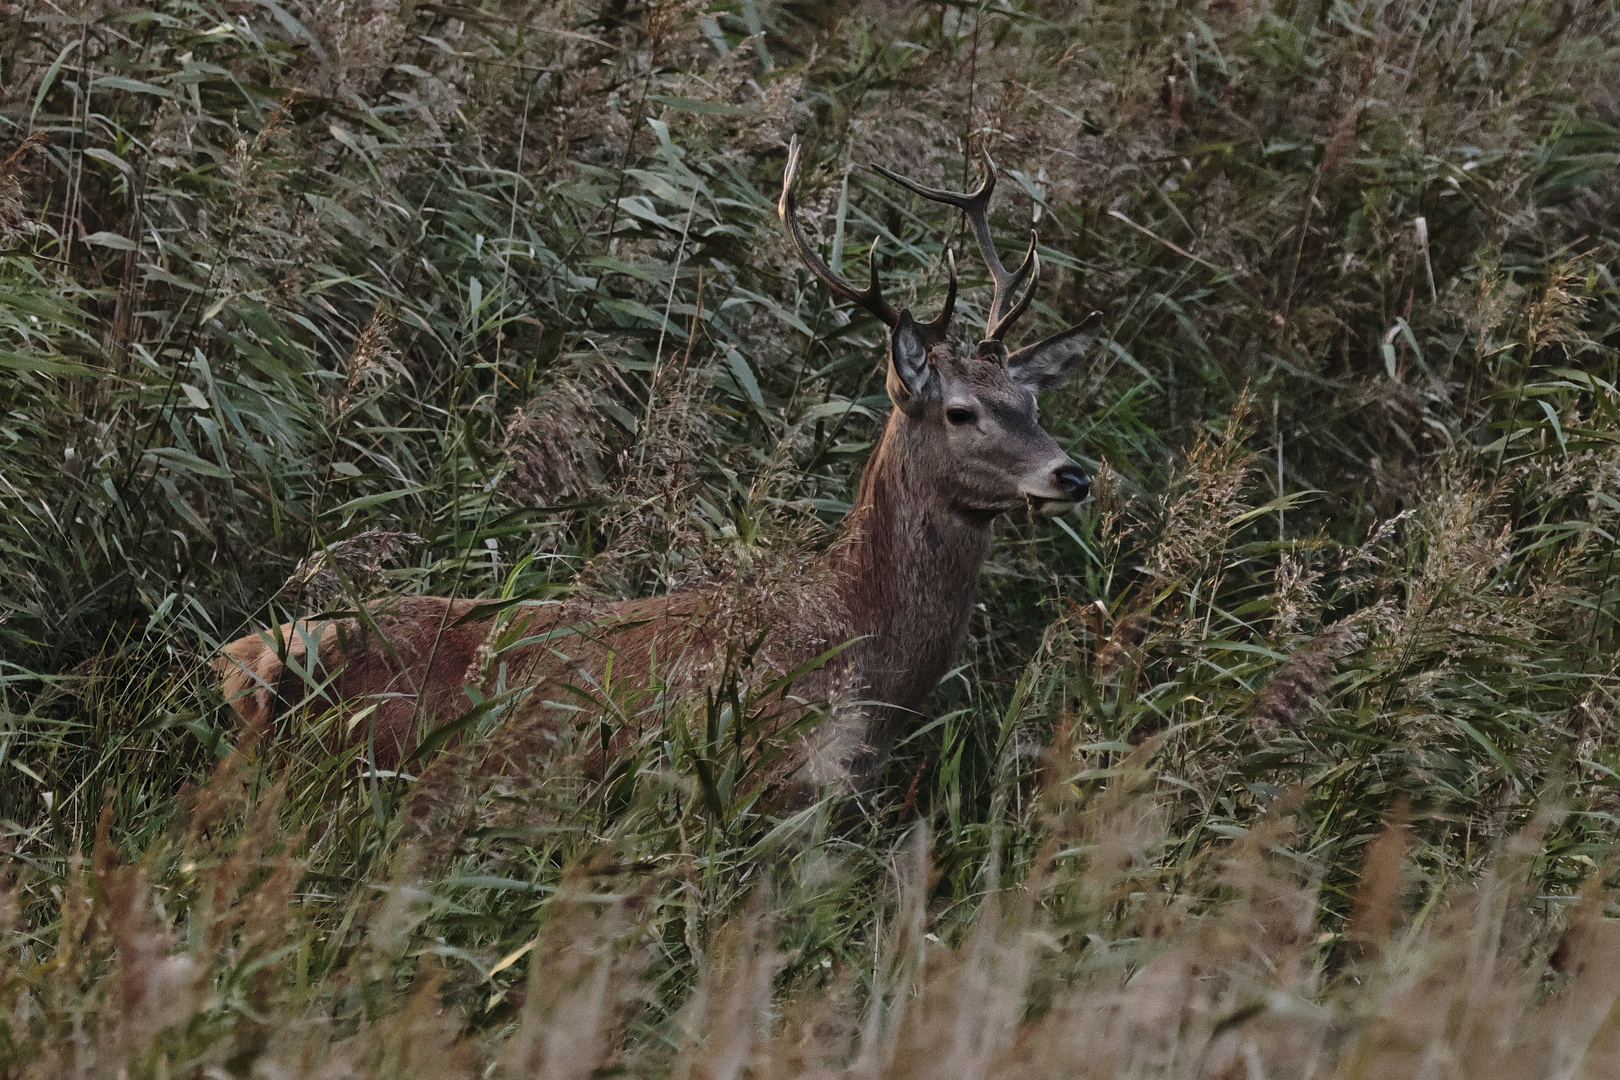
(961, 446)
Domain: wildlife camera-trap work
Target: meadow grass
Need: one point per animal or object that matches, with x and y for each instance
(1293, 753)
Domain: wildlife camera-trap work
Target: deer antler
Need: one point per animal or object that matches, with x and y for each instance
(975, 206)
(871, 297)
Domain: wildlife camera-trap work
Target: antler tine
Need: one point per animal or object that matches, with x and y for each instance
(975, 206)
(871, 297)
(937, 329)
(994, 327)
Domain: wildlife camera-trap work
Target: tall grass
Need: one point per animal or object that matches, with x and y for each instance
(1294, 753)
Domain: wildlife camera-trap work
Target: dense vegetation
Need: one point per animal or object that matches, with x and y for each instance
(1295, 752)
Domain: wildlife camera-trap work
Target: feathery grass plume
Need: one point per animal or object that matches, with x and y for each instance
(1364, 566)
(1586, 929)
(729, 1016)
(655, 522)
(1207, 496)
(1286, 698)
(755, 111)
(1295, 594)
(1554, 314)
(155, 986)
(1352, 104)
(351, 45)
(1288, 694)
(555, 445)
(371, 365)
(1189, 525)
(354, 564)
(1101, 846)
(1449, 606)
(582, 986)
(1228, 986)
(1378, 895)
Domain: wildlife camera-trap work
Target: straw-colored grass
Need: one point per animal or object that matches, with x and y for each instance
(1294, 753)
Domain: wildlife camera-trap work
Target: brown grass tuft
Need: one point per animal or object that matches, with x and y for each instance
(555, 444)
(1378, 898)
(1305, 677)
(353, 566)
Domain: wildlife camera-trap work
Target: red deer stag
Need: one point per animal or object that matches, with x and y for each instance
(961, 446)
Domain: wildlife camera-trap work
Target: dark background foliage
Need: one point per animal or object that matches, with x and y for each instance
(303, 303)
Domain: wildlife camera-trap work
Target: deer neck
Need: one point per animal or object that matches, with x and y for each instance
(906, 570)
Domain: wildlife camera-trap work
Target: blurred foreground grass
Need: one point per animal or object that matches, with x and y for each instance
(1294, 754)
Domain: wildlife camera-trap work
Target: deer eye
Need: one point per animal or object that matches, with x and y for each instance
(959, 415)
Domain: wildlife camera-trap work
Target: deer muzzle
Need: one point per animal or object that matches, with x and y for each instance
(1064, 485)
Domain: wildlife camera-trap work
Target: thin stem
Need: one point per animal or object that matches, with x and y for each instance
(663, 327)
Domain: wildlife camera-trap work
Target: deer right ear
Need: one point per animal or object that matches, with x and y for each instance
(912, 383)
(1048, 363)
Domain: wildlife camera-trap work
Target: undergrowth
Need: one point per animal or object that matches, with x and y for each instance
(1293, 752)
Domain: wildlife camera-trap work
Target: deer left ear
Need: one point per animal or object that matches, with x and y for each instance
(1049, 363)
(912, 383)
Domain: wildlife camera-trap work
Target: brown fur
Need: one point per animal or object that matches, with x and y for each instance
(413, 670)
(901, 579)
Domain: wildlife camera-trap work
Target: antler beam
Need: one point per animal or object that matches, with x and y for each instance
(871, 297)
(975, 206)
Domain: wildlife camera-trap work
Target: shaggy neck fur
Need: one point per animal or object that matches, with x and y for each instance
(906, 570)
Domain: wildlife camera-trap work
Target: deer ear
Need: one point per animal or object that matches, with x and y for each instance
(1049, 363)
(912, 383)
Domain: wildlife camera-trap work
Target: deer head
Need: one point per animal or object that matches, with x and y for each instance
(969, 425)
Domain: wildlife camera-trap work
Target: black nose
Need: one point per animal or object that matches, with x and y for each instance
(1072, 482)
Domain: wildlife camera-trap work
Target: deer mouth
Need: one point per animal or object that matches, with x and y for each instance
(1049, 507)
